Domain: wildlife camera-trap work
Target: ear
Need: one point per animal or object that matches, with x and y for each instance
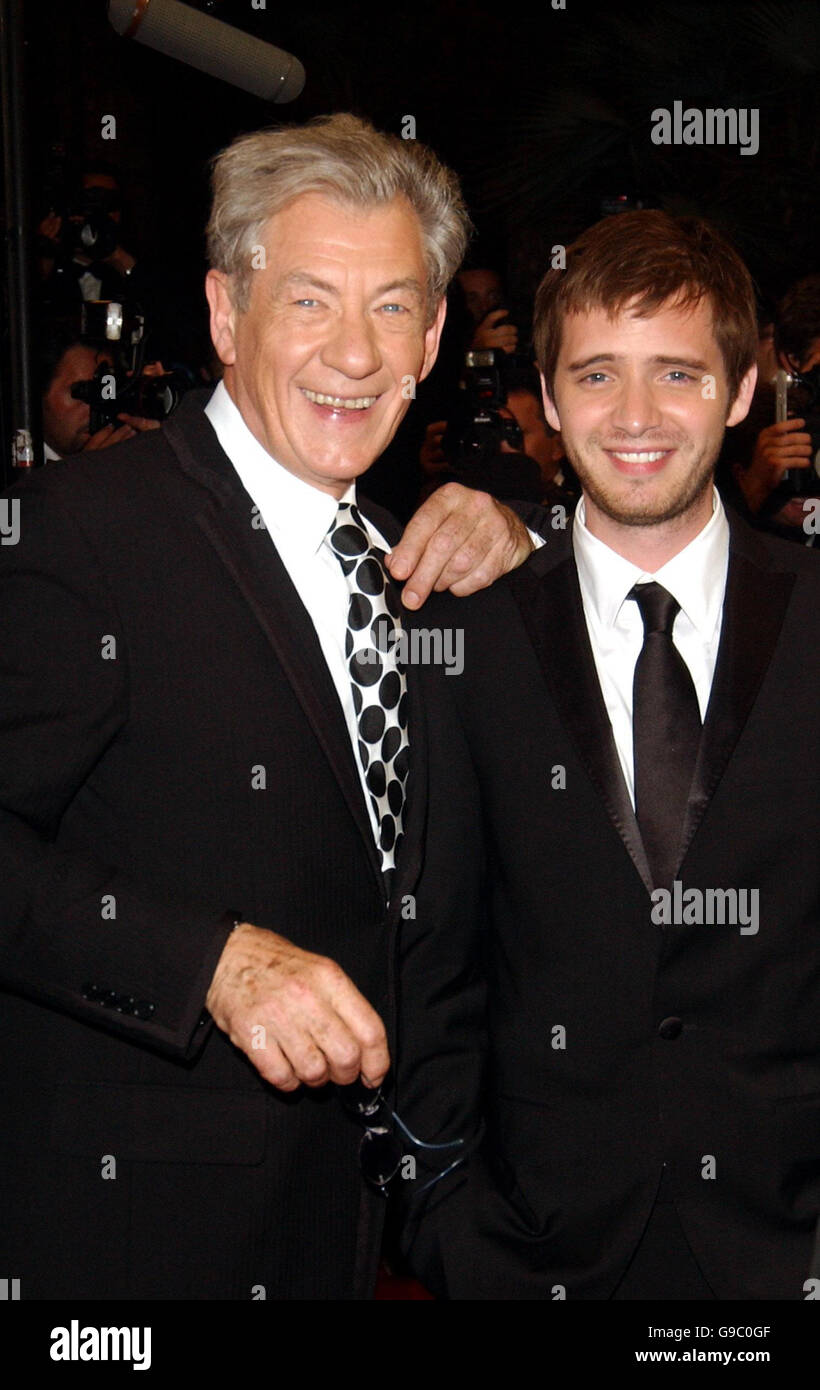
(742, 401)
(432, 338)
(549, 405)
(223, 315)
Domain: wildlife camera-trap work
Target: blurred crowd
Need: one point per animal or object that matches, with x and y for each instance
(107, 373)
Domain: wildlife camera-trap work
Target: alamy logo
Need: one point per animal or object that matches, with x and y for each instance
(421, 646)
(713, 126)
(9, 520)
(707, 907)
(75, 1343)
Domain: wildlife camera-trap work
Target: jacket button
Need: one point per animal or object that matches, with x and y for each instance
(670, 1028)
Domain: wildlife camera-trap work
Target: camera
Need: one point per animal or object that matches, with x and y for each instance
(477, 428)
(108, 394)
(122, 386)
(797, 396)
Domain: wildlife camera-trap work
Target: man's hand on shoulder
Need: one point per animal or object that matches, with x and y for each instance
(297, 1016)
(460, 539)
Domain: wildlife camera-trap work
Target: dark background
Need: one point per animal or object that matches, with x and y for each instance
(544, 113)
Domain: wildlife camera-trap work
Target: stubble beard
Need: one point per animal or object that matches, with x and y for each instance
(638, 510)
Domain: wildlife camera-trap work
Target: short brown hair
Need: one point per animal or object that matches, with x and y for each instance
(346, 159)
(648, 257)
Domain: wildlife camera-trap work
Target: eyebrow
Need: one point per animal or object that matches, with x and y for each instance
(304, 277)
(661, 361)
(408, 283)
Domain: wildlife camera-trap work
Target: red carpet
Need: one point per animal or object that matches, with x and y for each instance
(399, 1286)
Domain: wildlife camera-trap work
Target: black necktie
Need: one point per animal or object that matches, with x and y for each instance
(379, 685)
(666, 732)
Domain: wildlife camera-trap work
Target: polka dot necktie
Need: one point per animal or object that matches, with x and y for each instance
(377, 678)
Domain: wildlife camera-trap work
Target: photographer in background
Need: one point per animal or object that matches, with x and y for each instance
(81, 254)
(758, 454)
(90, 249)
(486, 302)
(67, 359)
(414, 463)
(498, 432)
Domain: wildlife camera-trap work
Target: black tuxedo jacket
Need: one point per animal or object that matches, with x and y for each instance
(172, 753)
(595, 1045)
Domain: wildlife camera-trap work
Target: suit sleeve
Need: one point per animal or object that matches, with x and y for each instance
(442, 992)
(144, 971)
(535, 517)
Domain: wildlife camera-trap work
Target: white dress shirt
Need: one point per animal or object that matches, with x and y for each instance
(297, 517)
(696, 577)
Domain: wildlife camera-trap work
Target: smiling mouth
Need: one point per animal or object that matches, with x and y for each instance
(640, 456)
(339, 402)
(639, 463)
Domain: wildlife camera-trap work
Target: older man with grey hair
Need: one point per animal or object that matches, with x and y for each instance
(213, 759)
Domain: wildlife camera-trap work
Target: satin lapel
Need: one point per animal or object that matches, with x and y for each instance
(408, 866)
(552, 610)
(255, 567)
(757, 597)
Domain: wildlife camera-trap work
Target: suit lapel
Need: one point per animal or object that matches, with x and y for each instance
(408, 866)
(254, 565)
(549, 596)
(757, 597)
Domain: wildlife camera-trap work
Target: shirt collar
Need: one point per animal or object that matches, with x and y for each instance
(696, 576)
(297, 514)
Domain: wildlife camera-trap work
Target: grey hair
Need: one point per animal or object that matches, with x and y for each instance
(346, 159)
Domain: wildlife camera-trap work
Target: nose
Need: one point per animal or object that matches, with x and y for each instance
(351, 347)
(635, 408)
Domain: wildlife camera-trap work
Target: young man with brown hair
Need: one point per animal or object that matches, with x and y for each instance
(620, 1019)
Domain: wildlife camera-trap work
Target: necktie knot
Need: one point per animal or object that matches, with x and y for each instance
(657, 607)
(362, 564)
(347, 537)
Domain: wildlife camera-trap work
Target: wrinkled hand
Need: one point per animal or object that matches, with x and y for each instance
(778, 447)
(317, 1026)
(460, 540)
(491, 334)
